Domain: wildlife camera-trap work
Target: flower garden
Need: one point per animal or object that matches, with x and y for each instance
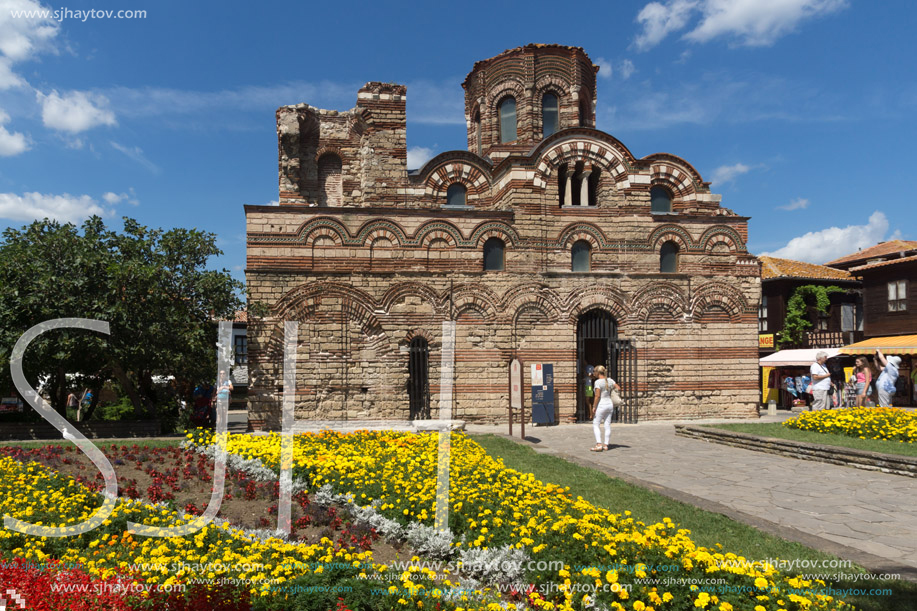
(884, 423)
(361, 502)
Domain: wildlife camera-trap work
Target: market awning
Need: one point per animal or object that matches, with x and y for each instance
(795, 358)
(895, 344)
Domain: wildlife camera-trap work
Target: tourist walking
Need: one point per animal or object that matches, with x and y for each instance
(821, 381)
(604, 408)
(887, 378)
(862, 377)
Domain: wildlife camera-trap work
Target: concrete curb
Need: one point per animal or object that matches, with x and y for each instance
(847, 457)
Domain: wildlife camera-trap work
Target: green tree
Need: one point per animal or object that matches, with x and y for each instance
(151, 285)
(797, 311)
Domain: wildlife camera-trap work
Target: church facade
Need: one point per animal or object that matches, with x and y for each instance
(546, 241)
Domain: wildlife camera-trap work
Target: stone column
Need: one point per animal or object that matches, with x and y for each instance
(584, 186)
(568, 193)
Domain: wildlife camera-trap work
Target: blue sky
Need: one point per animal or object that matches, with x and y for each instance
(802, 112)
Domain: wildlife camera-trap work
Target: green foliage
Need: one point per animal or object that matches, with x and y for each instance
(797, 311)
(151, 285)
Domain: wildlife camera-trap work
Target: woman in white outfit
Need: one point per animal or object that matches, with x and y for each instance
(603, 407)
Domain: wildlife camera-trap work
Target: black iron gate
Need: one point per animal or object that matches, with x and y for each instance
(598, 344)
(419, 379)
(623, 369)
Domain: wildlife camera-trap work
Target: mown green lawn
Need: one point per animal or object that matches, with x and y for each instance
(774, 429)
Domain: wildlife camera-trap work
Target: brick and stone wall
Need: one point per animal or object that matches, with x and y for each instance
(382, 259)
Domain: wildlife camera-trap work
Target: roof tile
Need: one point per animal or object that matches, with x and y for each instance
(772, 267)
(881, 249)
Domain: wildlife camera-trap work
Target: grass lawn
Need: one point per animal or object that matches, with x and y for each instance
(707, 528)
(773, 429)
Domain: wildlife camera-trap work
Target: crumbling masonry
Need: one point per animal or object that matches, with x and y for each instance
(523, 239)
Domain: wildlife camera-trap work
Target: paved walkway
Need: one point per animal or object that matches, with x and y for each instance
(867, 517)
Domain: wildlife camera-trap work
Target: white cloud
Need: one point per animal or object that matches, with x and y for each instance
(800, 203)
(659, 20)
(273, 202)
(626, 69)
(418, 155)
(604, 65)
(8, 78)
(75, 112)
(728, 173)
(11, 143)
(757, 23)
(834, 242)
(22, 37)
(65, 208)
(136, 153)
(750, 22)
(112, 198)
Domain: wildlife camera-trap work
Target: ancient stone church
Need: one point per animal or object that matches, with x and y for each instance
(546, 241)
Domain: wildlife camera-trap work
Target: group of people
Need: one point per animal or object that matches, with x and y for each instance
(602, 392)
(875, 381)
(206, 398)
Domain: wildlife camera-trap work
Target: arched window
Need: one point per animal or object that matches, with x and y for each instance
(581, 255)
(579, 185)
(549, 114)
(493, 254)
(660, 200)
(331, 192)
(508, 120)
(668, 258)
(455, 194)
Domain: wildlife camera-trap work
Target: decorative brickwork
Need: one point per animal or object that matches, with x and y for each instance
(368, 257)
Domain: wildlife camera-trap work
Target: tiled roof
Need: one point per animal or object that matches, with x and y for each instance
(912, 258)
(772, 267)
(883, 249)
(241, 316)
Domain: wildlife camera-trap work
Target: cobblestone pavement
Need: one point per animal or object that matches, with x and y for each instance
(837, 509)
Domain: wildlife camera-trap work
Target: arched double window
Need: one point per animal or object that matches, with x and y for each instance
(507, 112)
(550, 117)
(455, 194)
(660, 200)
(578, 186)
(668, 258)
(331, 191)
(581, 256)
(493, 254)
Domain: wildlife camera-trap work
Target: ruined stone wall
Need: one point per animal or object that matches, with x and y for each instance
(355, 329)
(383, 259)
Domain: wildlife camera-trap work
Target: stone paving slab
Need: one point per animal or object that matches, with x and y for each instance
(873, 516)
